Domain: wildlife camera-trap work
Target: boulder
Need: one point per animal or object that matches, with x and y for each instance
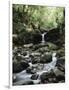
(60, 78)
(35, 54)
(61, 52)
(30, 70)
(53, 80)
(37, 38)
(35, 60)
(43, 49)
(46, 58)
(44, 77)
(19, 58)
(28, 45)
(61, 64)
(19, 66)
(24, 53)
(52, 46)
(37, 46)
(52, 35)
(19, 50)
(34, 76)
(59, 75)
(48, 77)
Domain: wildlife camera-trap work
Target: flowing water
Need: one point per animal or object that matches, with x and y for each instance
(43, 40)
(41, 68)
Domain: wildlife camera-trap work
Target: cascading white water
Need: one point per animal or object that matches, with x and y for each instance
(52, 64)
(40, 68)
(24, 76)
(49, 66)
(43, 40)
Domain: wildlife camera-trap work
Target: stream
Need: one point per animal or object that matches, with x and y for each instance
(25, 77)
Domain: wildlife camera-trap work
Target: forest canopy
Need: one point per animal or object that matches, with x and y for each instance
(30, 21)
(35, 17)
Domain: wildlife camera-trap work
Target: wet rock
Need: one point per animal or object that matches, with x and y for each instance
(24, 64)
(43, 49)
(61, 52)
(35, 54)
(61, 78)
(58, 72)
(19, 66)
(37, 46)
(24, 53)
(28, 45)
(46, 58)
(34, 76)
(19, 58)
(53, 80)
(30, 70)
(61, 64)
(15, 53)
(59, 75)
(33, 71)
(35, 57)
(18, 50)
(35, 60)
(28, 59)
(61, 67)
(52, 35)
(40, 66)
(52, 46)
(48, 77)
(16, 67)
(37, 38)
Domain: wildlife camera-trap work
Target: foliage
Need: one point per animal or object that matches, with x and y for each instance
(46, 17)
(34, 18)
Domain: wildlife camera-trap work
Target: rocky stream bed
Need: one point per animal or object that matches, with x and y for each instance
(38, 64)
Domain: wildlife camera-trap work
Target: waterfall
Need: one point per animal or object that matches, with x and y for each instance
(52, 64)
(43, 40)
(54, 59)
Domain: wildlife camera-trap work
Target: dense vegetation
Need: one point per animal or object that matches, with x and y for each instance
(38, 44)
(31, 19)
